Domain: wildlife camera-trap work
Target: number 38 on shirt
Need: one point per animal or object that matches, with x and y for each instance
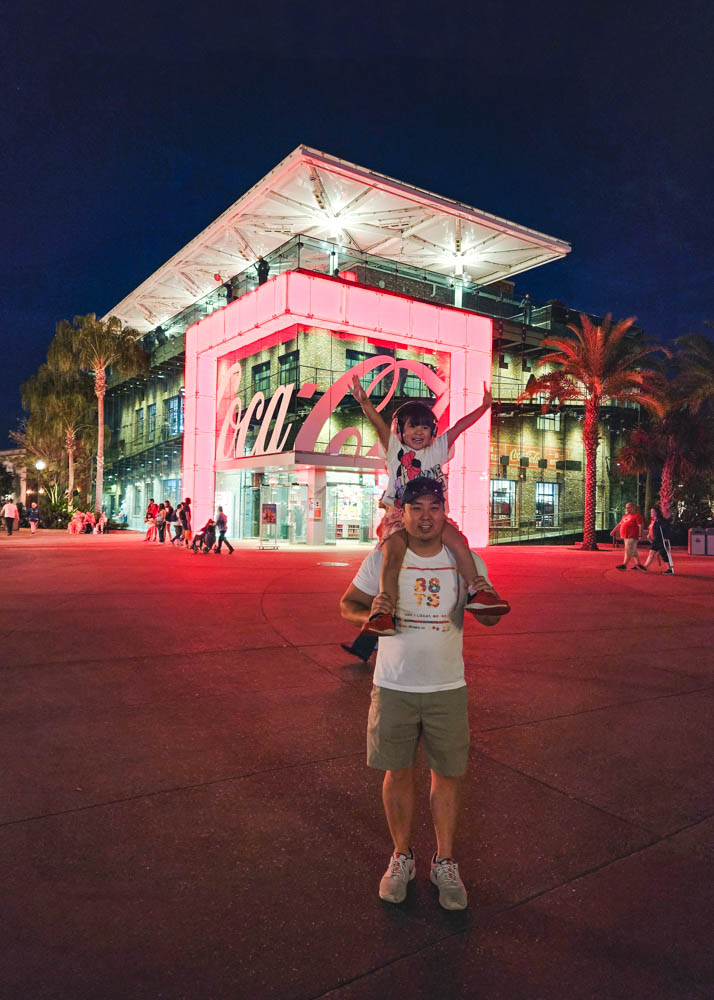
(427, 589)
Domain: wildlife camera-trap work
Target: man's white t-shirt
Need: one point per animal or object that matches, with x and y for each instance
(405, 464)
(426, 654)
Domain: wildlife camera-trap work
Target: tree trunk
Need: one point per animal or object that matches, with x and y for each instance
(100, 388)
(666, 489)
(590, 441)
(69, 447)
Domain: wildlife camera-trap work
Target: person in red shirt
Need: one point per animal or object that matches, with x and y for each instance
(631, 527)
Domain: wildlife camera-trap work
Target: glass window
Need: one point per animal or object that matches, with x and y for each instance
(139, 425)
(289, 366)
(172, 490)
(261, 378)
(546, 421)
(503, 503)
(138, 499)
(547, 500)
(354, 358)
(151, 412)
(413, 386)
(174, 409)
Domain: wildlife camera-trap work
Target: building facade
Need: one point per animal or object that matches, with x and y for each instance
(247, 401)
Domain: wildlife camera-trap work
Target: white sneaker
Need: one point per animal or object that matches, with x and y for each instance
(445, 876)
(401, 870)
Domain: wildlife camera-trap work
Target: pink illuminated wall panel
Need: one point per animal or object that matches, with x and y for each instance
(355, 311)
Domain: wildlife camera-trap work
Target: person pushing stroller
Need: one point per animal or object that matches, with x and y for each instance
(205, 539)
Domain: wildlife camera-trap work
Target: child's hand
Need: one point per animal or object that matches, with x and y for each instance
(357, 391)
(382, 605)
(487, 397)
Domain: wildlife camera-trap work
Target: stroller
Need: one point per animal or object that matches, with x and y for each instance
(205, 539)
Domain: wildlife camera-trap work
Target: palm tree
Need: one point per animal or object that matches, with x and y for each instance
(61, 401)
(687, 448)
(696, 369)
(93, 345)
(642, 454)
(38, 441)
(591, 364)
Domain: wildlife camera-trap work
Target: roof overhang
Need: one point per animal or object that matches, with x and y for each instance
(319, 195)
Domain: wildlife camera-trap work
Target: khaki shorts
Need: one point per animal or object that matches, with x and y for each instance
(630, 547)
(398, 719)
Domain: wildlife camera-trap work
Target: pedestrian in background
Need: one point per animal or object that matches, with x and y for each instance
(178, 525)
(11, 514)
(263, 268)
(222, 528)
(150, 519)
(169, 518)
(160, 522)
(659, 537)
(33, 516)
(631, 527)
(186, 520)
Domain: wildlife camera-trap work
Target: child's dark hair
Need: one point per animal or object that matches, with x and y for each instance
(421, 415)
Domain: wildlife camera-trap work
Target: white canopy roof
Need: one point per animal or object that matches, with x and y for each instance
(322, 196)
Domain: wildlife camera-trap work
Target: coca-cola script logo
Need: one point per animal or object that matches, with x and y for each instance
(232, 437)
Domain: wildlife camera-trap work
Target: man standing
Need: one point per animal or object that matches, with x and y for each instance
(11, 514)
(419, 690)
(263, 270)
(222, 528)
(631, 527)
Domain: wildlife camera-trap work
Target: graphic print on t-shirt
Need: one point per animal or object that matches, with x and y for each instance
(410, 467)
(421, 596)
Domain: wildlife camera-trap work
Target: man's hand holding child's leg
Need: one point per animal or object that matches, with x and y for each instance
(381, 618)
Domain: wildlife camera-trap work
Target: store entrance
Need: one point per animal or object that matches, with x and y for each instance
(291, 511)
(352, 513)
(347, 503)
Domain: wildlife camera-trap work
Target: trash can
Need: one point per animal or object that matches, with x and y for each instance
(710, 541)
(697, 542)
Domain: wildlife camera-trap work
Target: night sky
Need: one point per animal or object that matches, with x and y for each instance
(126, 132)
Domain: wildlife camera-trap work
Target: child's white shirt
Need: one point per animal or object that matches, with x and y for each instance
(405, 464)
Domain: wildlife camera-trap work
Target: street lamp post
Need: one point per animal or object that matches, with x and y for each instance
(39, 465)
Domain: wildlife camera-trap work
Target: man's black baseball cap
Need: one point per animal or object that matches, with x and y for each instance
(422, 486)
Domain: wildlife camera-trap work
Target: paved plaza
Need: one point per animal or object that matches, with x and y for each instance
(185, 809)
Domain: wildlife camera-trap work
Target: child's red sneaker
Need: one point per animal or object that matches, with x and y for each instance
(483, 602)
(380, 625)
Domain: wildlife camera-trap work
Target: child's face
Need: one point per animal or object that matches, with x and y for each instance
(416, 434)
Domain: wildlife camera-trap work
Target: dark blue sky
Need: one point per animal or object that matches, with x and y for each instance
(125, 134)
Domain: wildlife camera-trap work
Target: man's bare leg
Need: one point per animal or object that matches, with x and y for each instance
(398, 798)
(445, 800)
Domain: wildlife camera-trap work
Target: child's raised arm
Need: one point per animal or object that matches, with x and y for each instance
(378, 422)
(470, 418)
